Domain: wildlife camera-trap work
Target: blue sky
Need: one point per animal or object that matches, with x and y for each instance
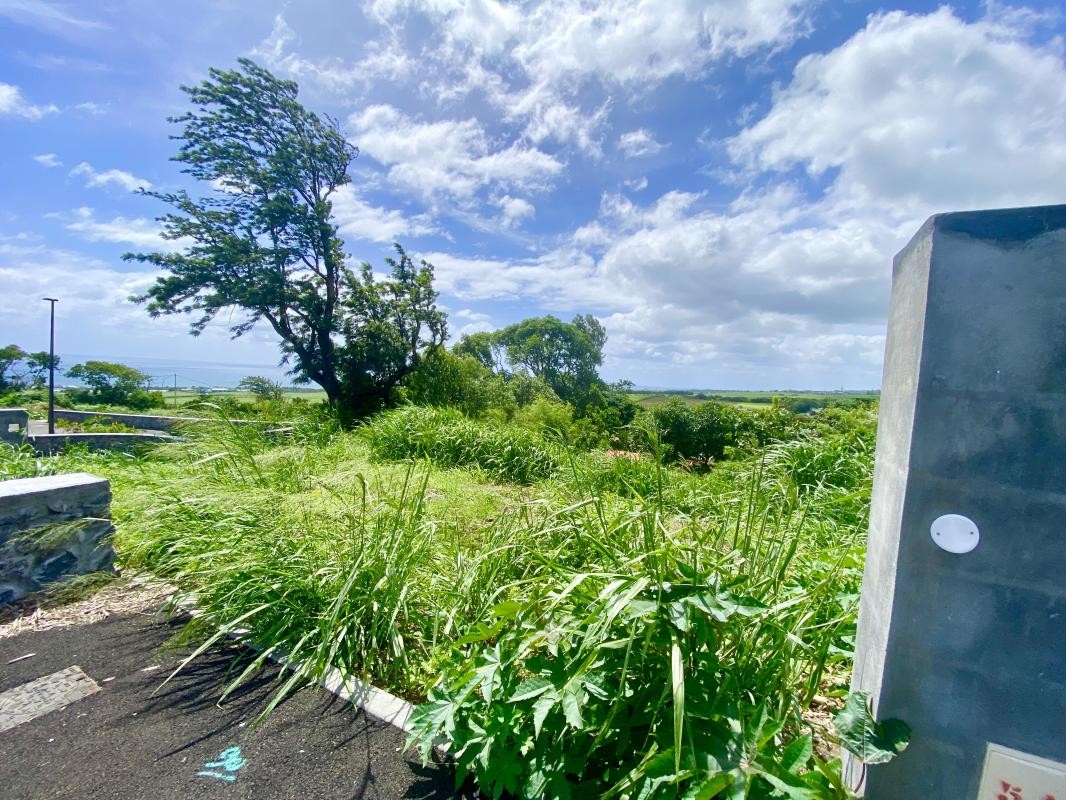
(722, 183)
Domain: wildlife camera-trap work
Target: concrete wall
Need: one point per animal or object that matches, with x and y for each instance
(146, 422)
(51, 443)
(142, 422)
(970, 648)
(51, 528)
(13, 425)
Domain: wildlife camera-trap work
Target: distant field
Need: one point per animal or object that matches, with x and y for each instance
(183, 396)
(741, 398)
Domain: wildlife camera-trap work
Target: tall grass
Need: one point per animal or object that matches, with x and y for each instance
(449, 439)
(726, 596)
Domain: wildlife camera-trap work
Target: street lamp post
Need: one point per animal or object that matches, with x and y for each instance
(52, 366)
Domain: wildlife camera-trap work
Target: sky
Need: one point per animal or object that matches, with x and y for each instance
(722, 183)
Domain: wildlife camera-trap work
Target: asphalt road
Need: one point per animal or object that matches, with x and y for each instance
(133, 739)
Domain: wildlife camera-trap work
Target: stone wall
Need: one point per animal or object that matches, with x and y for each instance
(51, 443)
(51, 528)
(142, 422)
(13, 425)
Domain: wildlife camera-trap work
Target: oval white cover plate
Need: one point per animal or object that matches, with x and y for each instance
(955, 533)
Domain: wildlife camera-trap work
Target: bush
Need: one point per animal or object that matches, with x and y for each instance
(698, 433)
(679, 672)
(448, 439)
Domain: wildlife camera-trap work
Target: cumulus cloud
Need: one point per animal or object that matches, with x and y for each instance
(922, 113)
(616, 41)
(94, 313)
(514, 209)
(449, 158)
(118, 177)
(359, 219)
(531, 61)
(14, 104)
(470, 321)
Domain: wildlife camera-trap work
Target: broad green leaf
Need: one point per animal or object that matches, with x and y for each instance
(572, 701)
(798, 752)
(530, 688)
(708, 788)
(869, 741)
(791, 786)
(545, 703)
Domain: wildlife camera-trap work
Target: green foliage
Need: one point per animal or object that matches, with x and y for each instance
(567, 632)
(448, 439)
(9, 356)
(565, 356)
(22, 461)
(546, 416)
(113, 384)
(870, 741)
(668, 664)
(263, 388)
(22, 370)
(265, 243)
(450, 380)
(698, 433)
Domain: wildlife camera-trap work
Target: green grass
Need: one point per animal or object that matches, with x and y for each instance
(405, 551)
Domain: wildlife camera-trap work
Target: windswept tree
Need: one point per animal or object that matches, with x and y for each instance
(263, 388)
(117, 384)
(10, 355)
(264, 243)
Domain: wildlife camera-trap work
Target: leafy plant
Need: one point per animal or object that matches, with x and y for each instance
(677, 670)
(871, 742)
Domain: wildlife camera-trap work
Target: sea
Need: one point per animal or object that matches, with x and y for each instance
(167, 372)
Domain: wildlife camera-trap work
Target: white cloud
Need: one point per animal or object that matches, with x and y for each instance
(94, 315)
(471, 322)
(636, 184)
(119, 177)
(922, 113)
(380, 61)
(514, 209)
(357, 218)
(449, 158)
(50, 16)
(12, 102)
(48, 160)
(89, 107)
(616, 41)
(640, 142)
(534, 61)
(139, 232)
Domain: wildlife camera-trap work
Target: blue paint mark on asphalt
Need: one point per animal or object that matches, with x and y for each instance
(229, 760)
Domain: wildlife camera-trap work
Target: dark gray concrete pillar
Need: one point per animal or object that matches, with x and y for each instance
(970, 648)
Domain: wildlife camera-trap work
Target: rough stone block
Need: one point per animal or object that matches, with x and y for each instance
(14, 423)
(52, 527)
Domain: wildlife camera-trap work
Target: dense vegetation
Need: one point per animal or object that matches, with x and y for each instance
(577, 623)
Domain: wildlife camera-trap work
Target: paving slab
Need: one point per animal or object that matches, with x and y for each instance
(134, 739)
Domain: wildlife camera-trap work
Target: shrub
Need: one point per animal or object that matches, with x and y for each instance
(448, 439)
(678, 671)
